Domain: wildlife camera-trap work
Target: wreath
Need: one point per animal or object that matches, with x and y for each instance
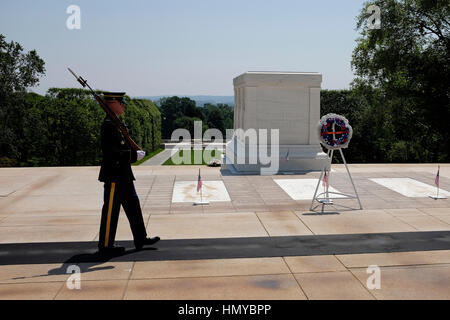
(334, 131)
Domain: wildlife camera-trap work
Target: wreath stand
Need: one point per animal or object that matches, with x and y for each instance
(324, 197)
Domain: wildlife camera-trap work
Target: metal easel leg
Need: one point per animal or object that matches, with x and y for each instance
(348, 171)
(330, 155)
(326, 195)
(317, 188)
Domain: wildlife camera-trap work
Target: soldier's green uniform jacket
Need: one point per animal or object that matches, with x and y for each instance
(117, 155)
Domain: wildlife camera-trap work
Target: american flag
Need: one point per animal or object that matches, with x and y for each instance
(287, 156)
(436, 181)
(325, 180)
(199, 181)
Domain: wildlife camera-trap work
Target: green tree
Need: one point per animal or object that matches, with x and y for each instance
(403, 69)
(228, 116)
(73, 120)
(18, 71)
(187, 123)
(214, 117)
(148, 119)
(170, 111)
(173, 108)
(355, 108)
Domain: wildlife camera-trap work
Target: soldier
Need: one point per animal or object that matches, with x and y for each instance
(118, 179)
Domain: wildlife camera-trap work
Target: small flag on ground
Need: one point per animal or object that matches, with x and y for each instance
(287, 156)
(436, 181)
(199, 181)
(325, 180)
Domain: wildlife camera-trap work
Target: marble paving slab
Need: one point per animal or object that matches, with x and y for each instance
(409, 187)
(186, 191)
(303, 189)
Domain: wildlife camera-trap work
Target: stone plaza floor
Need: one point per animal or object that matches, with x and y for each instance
(257, 243)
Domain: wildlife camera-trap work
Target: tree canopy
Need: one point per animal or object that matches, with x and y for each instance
(398, 104)
(18, 71)
(403, 70)
(62, 127)
(179, 113)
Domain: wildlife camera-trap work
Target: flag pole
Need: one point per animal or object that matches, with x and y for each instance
(438, 187)
(439, 169)
(201, 188)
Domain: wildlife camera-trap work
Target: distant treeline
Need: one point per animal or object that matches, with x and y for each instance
(179, 112)
(398, 106)
(381, 133)
(62, 128)
(199, 100)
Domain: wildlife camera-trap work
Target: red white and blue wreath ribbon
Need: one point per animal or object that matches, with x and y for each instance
(334, 131)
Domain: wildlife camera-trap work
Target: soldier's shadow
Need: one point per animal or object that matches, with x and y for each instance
(83, 263)
(88, 262)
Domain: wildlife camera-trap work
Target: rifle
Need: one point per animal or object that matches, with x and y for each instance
(111, 115)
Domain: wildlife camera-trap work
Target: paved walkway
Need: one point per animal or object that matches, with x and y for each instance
(159, 159)
(260, 245)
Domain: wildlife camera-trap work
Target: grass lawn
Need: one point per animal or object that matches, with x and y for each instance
(150, 155)
(216, 154)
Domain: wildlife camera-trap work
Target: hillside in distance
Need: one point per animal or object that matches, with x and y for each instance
(199, 100)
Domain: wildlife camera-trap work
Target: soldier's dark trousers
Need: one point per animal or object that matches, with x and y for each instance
(118, 194)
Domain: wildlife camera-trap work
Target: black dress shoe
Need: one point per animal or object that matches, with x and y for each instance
(110, 251)
(146, 242)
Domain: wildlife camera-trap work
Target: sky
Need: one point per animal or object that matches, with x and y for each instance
(183, 47)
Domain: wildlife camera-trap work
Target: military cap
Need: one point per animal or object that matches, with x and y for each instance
(114, 95)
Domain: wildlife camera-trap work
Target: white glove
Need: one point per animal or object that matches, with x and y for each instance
(140, 154)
